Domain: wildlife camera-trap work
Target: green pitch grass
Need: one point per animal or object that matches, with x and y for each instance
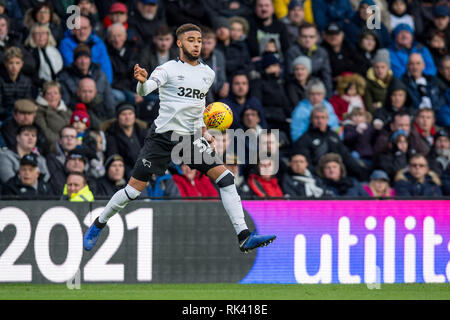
(222, 292)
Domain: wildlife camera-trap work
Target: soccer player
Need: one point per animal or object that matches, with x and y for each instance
(183, 84)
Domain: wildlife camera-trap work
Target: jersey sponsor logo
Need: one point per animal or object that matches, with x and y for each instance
(190, 93)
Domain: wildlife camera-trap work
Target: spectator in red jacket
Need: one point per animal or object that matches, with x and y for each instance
(194, 184)
(265, 183)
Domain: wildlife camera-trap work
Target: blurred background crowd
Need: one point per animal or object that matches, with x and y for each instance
(359, 91)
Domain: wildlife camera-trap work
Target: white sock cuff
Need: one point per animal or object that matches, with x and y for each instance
(223, 175)
(131, 192)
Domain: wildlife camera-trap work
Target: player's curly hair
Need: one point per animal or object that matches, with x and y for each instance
(185, 28)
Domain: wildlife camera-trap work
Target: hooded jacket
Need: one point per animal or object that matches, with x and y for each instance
(10, 163)
(99, 53)
(387, 112)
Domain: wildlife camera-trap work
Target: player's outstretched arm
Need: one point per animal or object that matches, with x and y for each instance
(143, 87)
(140, 74)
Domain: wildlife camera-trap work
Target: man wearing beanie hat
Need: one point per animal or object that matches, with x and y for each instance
(296, 84)
(83, 66)
(114, 178)
(125, 135)
(80, 118)
(403, 47)
(307, 44)
(379, 78)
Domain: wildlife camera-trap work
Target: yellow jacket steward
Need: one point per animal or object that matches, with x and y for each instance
(84, 194)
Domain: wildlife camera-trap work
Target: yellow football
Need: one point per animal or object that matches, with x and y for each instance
(218, 115)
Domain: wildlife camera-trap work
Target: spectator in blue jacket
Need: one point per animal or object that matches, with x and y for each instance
(422, 88)
(359, 23)
(327, 11)
(73, 38)
(403, 47)
(417, 179)
(315, 92)
(161, 186)
(443, 116)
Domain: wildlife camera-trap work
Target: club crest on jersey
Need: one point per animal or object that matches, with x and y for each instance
(146, 163)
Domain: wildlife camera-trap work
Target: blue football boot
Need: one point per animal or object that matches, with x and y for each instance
(91, 236)
(254, 241)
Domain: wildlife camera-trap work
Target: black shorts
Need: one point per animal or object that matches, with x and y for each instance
(161, 148)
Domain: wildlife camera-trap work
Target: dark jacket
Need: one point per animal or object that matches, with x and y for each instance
(431, 90)
(315, 143)
(11, 91)
(355, 26)
(294, 185)
(145, 29)
(387, 112)
(321, 67)
(119, 143)
(123, 62)
(346, 60)
(106, 187)
(361, 143)
(446, 182)
(185, 11)
(294, 91)
(97, 109)
(392, 161)
(407, 185)
(345, 187)
(270, 92)
(149, 60)
(70, 77)
(215, 9)
(257, 31)
(14, 187)
(9, 130)
(237, 57)
(237, 108)
(327, 11)
(365, 57)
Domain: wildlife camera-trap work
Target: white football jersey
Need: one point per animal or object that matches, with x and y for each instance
(182, 92)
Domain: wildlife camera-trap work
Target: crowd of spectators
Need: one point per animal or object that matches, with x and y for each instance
(358, 92)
